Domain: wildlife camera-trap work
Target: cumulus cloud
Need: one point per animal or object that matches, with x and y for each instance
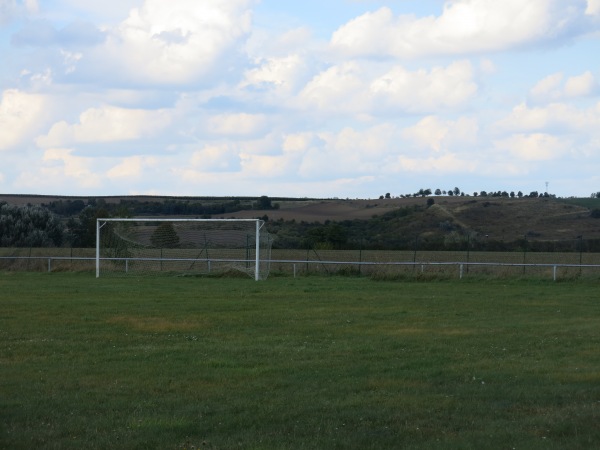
(216, 158)
(444, 164)
(7, 10)
(281, 74)
(593, 8)
(131, 167)
(20, 114)
(346, 152)
(106, 124)
(436, 134)
(534, 147)
(553, 118)
(237, 124)
(59, 165)
(464, 26)
(172, 42)
(349, 87)
(11, 9)
(554, 87)
(582, 85)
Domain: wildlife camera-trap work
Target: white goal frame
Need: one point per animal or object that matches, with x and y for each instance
(100, 222)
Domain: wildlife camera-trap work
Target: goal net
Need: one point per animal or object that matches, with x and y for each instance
(183, 246)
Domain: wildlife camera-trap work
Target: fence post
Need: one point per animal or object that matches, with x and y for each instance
(554, 273)
(461, 271)
(49, 265)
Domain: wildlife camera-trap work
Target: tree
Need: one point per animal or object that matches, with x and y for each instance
(438, 192)
(29, 226)
(388, 195)
(430, 202)
(263, 202)
(165, 236)
(82, 230)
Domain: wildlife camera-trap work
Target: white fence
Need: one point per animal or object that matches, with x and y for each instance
(384, 267)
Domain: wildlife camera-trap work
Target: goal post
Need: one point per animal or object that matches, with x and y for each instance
(195, 246)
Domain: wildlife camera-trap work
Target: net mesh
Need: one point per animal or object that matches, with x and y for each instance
(183, 247)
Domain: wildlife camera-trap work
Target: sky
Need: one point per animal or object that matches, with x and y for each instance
(327, 99)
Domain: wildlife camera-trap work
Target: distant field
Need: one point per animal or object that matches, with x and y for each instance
(307, 363)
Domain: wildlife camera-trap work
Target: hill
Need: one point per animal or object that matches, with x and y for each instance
(495, 217)
(489, 222)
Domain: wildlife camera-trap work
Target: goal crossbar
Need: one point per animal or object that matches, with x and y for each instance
(259, 224)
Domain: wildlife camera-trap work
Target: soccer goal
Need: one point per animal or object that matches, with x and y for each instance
(182, 246)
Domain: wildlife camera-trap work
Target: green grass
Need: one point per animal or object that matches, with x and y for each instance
(305, 363)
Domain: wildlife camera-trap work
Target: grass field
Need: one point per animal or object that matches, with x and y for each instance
(307, 363)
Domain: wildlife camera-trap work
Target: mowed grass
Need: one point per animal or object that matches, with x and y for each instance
(306, 363)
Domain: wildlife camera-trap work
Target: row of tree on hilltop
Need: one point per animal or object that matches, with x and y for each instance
(457, 192)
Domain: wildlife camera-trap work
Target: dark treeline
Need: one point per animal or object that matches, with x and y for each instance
(457, 192)
(169, 207)
(72, 223)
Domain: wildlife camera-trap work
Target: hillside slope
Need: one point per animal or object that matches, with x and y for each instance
(498, 219)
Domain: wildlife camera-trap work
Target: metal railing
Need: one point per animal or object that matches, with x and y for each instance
(299, 267)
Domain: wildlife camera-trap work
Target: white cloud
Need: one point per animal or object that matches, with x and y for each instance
(131, 167)
(20, 114)
(173, 42)
(534, 147)
(593, 8)
(216, 158)
(106, 124)
(444, 164)
(10, 9)
(237, 124)
(549, 88)
(348, 151)
(433, 133)
(440, 88)
(350, 87)
(283, 74)
(7, 9)
(554, 118)
(339, 87)
(465, 26)
(553, 87)
(62, 165)
(581, 86)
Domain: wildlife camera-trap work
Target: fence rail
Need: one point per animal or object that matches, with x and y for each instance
(385, 266)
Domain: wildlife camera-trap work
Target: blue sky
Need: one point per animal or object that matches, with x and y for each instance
(343, 98)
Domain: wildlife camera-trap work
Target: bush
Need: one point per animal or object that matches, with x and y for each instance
(29, 227)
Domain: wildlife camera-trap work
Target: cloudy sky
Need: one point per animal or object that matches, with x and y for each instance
(334, 98)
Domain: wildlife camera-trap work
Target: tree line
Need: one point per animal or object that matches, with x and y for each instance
(457, 192)
(405, 228)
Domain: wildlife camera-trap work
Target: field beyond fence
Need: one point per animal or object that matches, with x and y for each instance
(311, 363)
(382, 263)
